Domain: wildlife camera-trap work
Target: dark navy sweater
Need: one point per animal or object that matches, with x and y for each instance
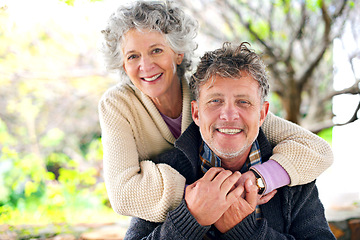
(293, 213)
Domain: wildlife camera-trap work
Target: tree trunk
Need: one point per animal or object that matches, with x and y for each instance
(292, 101)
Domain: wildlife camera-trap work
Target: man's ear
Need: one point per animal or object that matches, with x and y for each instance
(195, 112)
(264, 111)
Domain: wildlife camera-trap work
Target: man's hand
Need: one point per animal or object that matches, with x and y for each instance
(262, 199)
(240, 209)
(209, 197)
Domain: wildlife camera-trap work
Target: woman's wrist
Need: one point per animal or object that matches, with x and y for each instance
(273, 175)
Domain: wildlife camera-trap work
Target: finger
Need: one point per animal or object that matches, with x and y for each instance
(212, 173)
(233, 195)
(251, 193)
(190, 187)
(220, 178)
(265, 198)
(229, 182)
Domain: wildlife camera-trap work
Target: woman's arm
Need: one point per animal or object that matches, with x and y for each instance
(136, 188)
(302, 154)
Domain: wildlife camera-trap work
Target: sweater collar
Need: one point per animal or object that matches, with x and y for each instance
(155, 114)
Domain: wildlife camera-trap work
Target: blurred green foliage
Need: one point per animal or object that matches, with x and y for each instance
(50, 146)
(326, 134)
(51, 190)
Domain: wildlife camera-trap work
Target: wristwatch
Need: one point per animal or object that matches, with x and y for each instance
(259, 182)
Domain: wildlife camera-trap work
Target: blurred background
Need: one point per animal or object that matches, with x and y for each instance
(52, 76)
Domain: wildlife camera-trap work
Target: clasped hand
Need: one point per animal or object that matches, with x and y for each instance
(216, 198)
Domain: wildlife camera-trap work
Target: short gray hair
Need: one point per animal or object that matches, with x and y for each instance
(179, 30)
(228, 62)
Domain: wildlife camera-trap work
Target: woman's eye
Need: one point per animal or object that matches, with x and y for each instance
(131, 57)
(157, 50)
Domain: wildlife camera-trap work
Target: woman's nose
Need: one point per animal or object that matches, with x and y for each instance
(146, 64)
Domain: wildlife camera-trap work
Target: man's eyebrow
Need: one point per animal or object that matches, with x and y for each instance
(237, 95)
(243, 95)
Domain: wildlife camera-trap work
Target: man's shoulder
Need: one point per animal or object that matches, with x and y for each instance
(169, 156)
(265, 146)
(180, 162)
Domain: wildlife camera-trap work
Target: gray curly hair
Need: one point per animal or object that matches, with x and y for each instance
(228, 62)
(178, 28)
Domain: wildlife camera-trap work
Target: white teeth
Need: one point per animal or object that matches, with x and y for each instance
(229, 131)
(152, 78)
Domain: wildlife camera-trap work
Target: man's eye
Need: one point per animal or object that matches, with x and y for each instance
(214, 101)
(244, 102)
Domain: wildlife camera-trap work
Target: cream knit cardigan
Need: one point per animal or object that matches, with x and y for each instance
(133, 132)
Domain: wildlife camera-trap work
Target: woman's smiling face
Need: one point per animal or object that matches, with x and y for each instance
(150, 63)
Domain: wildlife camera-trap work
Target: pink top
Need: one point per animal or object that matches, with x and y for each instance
(173, 124)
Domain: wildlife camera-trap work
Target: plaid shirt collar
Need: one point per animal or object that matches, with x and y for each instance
(209, 159)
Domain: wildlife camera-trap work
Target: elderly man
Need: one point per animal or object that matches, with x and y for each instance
(225, 140)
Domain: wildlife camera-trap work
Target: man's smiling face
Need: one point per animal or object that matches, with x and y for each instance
(229, 113)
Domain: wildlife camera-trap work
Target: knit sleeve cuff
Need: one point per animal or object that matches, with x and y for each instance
(244, 230)
(186, 224)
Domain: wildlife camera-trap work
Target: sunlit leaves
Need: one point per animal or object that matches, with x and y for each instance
(52, 138)
(351, 4)
(72, 2)
(5, 138)
(33, 188)
(69, 2)
(50, 151)
(326, 134)
(313, 5)
(261, 28)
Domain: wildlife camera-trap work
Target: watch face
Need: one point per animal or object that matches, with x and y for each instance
(260, 183)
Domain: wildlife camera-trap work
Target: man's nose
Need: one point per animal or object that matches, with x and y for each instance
(146, 64)
(229, 112)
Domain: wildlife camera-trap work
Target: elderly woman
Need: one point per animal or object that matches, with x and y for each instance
(151, 44)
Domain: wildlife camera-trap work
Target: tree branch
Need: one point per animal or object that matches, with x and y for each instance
(326, 41)
(248, 26)
(298, 33)
(316, 128)
(341, 9)
(354, 89)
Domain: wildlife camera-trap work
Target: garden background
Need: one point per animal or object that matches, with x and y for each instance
(52, 77)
